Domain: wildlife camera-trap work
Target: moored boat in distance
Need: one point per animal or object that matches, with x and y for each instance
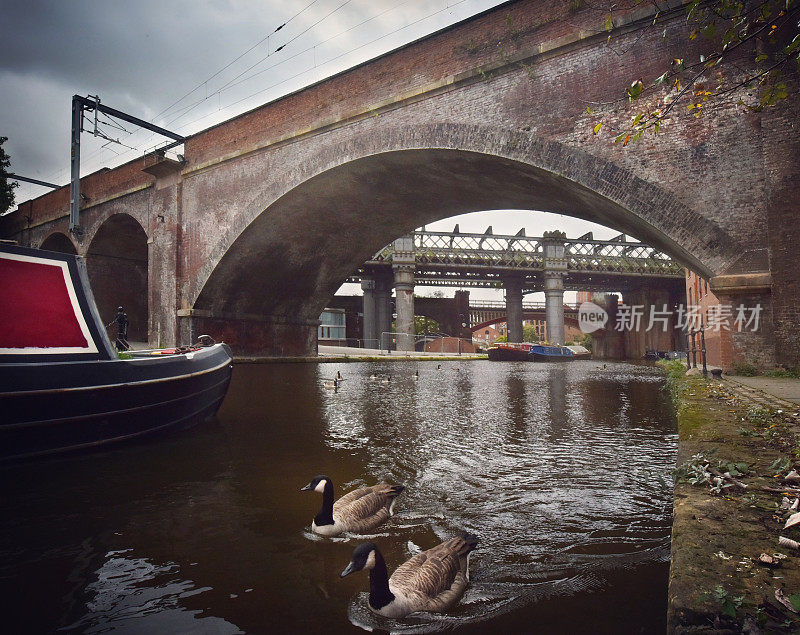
(62, 385)
(509, 352)
(580, 352)
(550, 353)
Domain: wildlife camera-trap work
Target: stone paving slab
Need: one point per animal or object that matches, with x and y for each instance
(784, 388)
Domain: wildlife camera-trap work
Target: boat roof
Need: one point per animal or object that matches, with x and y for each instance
(47, 310)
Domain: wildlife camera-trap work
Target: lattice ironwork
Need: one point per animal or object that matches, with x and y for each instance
(489, 251)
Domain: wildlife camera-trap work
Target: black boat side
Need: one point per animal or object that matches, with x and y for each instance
(62, 385)
(56, 407)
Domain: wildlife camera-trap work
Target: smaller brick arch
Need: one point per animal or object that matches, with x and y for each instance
(117, 263)
(59, 242)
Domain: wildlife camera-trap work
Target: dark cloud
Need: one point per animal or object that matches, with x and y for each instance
(142, 56)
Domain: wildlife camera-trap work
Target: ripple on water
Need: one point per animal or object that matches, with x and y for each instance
(563, 473)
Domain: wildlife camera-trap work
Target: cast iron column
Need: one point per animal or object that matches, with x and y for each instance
(370, 336)
(383, 308)
(555, 268)
(403, 267)
(513, 287)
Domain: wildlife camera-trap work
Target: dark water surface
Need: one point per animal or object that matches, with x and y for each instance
(561, 470)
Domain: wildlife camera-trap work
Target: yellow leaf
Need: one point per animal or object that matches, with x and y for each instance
(597, 127)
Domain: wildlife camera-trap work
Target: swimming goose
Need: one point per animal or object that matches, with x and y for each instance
(339, 375)
(332, 384)
(356, 512)
(416, 375)
(386, 379)
(433, 580)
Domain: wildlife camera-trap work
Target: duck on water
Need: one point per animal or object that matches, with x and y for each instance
(356, 512)
(433, 580)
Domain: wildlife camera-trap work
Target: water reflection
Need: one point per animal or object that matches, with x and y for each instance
(562, 470)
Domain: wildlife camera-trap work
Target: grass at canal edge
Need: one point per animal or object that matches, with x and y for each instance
(716, 582)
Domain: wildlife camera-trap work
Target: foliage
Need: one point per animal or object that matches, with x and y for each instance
(729, 604)
(749, 49)
(424, 324)
(698, 471)
(6, 188)
(529, 334)
(586, 341)
(746, 369)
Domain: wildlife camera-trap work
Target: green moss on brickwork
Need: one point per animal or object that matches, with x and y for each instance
(719, 530)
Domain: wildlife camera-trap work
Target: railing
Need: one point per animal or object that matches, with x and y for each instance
(479, 305)
(487, 251)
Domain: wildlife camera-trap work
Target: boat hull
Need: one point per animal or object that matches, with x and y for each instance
(539, 357)
(504, 354)
(64, 406)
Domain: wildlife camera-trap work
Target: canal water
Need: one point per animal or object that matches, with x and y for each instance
(563, 471)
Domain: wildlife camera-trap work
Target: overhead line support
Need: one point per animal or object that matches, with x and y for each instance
(79, 106)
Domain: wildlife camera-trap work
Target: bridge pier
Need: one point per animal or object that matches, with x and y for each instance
(403, 268)
(383, 306)
(555, 268)
(370, 335)
(513, 286)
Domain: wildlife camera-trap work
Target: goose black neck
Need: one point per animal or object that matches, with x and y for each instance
(379, 593)
(325, 516)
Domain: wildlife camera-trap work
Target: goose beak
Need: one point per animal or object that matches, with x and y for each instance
(348, 570)
(306, 488)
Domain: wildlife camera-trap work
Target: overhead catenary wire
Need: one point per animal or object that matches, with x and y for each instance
(99, 151)
(242, 77)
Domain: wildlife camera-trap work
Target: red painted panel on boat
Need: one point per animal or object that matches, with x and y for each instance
(35, 307)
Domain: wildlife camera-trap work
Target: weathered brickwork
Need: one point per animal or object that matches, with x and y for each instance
(273, 209)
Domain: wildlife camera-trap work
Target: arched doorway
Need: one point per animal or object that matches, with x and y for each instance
(117, 264)
(58, 242)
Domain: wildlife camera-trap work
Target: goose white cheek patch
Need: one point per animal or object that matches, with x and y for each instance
(370, 564)
(321, 486)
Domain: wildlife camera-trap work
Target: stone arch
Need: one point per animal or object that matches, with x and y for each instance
(311, 224)
(59, 242)
(117, 263)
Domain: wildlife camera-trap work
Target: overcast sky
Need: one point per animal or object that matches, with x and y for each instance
(186, 65)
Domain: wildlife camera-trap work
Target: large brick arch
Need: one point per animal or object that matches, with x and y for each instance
(351, 198)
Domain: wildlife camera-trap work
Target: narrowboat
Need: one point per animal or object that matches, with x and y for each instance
(509, 352)
(62, 385)
(545, 353)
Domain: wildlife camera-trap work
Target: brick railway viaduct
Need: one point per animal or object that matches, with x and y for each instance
(249, 238)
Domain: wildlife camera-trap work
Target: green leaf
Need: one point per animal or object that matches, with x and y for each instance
(661, 78)
(635, 89)
(795, 600)
(589, 110)
(620, 137)
(609, 22)
(761, 58)
(597, 127)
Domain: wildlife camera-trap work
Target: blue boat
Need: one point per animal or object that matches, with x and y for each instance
(543, 353)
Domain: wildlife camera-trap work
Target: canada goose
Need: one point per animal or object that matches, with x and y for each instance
(373, 377)
(356, 512)
(433, 580)
(438, 367)
(332, 384)
(416, 375)
(386, 379)
(339, 375)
